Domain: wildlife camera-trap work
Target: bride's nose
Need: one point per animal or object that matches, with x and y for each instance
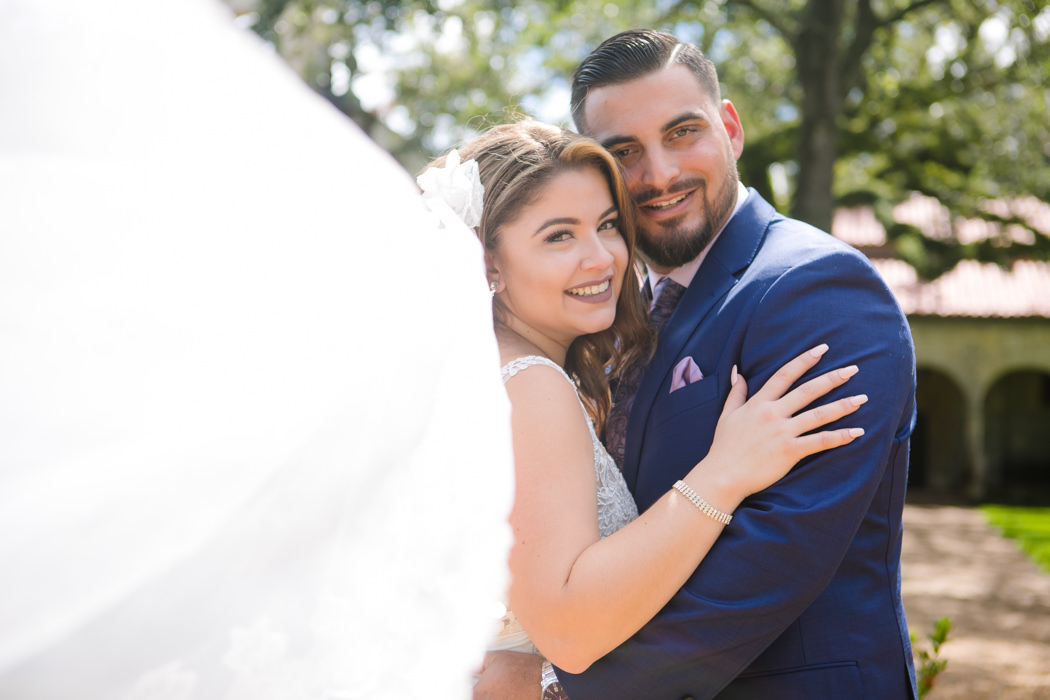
(596, 254)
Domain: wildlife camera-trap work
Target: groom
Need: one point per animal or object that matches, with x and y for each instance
(800, 597)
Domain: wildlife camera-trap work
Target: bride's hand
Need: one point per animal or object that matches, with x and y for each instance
(758, 440)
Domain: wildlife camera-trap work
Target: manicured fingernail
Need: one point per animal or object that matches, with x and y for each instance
(733, 377)
(858, 399)
(819, 350)
(856, 432)
(847, 372)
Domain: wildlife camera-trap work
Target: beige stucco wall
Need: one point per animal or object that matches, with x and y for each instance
(975, 353)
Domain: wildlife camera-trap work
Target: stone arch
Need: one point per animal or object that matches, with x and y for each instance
(1017, 435)
(940, 451)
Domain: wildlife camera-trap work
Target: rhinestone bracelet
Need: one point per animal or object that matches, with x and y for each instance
(705, 507)
(550, 686)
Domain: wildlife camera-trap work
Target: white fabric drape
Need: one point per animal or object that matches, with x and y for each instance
(253, 441)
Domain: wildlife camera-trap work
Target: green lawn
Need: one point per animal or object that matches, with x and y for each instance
(1029, 526)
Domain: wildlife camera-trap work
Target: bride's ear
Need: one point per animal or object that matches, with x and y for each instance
(492, 272)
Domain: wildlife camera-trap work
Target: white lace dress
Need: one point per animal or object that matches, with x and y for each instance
(616, 506)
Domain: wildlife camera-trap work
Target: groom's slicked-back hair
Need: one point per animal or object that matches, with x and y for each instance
(633, 54)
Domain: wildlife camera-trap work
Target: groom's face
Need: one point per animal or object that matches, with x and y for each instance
(678, 149)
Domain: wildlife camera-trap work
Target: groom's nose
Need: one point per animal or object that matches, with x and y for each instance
(659, 169)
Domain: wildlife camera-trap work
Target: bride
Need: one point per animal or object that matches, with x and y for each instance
(587, 570)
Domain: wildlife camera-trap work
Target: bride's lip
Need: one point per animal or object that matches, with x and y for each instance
(592, 292)
(667, 207)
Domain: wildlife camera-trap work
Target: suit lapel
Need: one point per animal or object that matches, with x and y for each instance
(731, 254)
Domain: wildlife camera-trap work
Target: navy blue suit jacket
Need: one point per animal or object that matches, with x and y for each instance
(800, 596)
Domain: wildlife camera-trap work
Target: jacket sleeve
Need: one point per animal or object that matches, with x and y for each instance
(786, 543)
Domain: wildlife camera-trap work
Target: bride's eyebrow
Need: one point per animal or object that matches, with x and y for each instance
(571, 221)
(557, 222)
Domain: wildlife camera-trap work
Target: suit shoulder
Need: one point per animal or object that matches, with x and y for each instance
(797, 244)
(799, 261)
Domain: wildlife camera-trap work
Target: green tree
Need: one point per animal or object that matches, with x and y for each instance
(449, 68)
(843, 101)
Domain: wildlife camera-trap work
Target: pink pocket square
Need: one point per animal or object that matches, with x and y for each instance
(685, 373)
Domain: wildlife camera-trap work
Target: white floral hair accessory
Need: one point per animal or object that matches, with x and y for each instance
(458, 184)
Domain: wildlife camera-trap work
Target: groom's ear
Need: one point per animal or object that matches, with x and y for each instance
(733, 126)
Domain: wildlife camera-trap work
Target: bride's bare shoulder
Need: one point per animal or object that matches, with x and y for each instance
(540, 392)
(538, 386)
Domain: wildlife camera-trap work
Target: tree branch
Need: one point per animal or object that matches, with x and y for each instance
(900, 14)
(865, 25)
(774, 19)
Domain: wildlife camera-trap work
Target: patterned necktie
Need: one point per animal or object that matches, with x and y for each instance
(668, 294)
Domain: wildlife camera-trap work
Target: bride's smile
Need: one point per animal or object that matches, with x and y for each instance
(593, 293)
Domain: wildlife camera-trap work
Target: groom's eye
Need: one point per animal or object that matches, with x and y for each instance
(685, 132)
(622, 152)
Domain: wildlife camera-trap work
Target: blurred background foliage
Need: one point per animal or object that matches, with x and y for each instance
(844, 102)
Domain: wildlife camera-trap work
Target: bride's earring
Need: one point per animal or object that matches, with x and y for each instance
(493, 287)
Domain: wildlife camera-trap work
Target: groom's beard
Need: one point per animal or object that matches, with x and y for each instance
(674, 245)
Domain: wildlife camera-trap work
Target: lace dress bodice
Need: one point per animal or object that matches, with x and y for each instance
(616, 506)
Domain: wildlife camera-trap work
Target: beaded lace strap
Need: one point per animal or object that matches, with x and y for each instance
(519, 363)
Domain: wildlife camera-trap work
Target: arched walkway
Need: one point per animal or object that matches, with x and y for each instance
(1017, 435)
(940, 455)
(999, 431)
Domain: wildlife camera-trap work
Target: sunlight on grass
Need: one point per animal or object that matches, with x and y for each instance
(1030, 527)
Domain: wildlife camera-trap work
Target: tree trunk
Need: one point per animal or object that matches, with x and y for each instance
(818, 61)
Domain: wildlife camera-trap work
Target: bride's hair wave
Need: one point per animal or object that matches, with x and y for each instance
(515, 162)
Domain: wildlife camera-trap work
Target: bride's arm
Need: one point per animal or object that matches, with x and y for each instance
(579, 596)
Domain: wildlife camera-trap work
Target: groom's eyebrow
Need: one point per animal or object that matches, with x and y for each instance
(685, 117)
(612, 141)
(608, 143)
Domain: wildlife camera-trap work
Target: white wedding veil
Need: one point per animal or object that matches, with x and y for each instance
(253, 441)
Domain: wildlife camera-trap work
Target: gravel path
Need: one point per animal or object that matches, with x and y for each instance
(955, 565)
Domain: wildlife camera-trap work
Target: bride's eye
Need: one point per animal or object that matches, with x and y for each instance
(559, 236)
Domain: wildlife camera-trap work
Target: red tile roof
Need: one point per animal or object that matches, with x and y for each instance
(970, 289)
(859, 227)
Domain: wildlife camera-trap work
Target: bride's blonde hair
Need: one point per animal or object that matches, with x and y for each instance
(515, 162)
